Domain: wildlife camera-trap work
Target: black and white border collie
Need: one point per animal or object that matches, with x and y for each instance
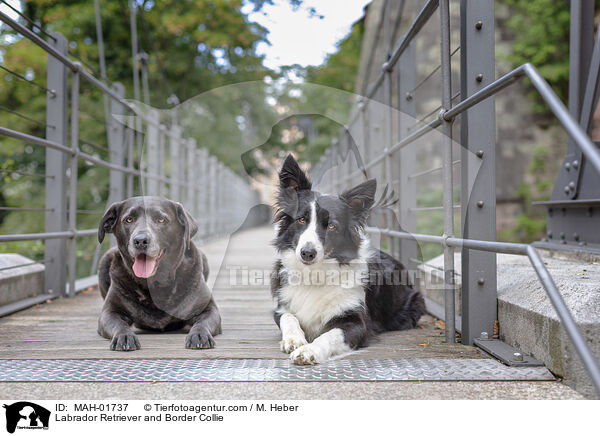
(330, 285)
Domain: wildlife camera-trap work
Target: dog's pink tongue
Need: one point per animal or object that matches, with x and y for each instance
(143, 266)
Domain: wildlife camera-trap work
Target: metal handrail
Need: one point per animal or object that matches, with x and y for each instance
(446, 115)
(75, 67)
(196, 195)
(538, 265)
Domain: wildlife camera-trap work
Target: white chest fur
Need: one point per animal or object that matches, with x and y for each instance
(315, 294)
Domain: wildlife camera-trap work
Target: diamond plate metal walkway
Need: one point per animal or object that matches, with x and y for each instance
(57, 342)
(218, 370)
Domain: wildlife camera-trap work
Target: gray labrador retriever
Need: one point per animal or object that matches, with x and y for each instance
(155, 278)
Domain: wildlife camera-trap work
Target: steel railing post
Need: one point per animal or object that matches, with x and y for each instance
(336, 170)
(191, 175)
(116, 148)
(179, 166)
(130, 140)
(447, 179)
(407, 189)
(203, 196)
(56, 165)
(212, 191)
(387, 132)
(176, 178)
(478, 169)
(152, 153)
(74, 160)
(162, 186)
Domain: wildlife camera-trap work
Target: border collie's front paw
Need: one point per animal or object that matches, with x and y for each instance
(199, 340)
(292, 342)
(308, 354)
(125, 342)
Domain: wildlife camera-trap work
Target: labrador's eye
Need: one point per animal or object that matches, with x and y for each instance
(162, 220)
(331, 226)
(301, 220)
(129, 220)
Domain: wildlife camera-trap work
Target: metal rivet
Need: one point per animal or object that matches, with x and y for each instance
(479, 154)
(567, 166)
(549, 234)
(518, 357)
(567, 190)
(408, 96)
(575, 164)
(480, 204)
(572, 185)
(576, 236)
(481, 281)
(484, 335)
(479, 25)
(479, 77)
(562, 235)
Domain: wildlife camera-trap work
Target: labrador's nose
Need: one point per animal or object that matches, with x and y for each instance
(141, 241)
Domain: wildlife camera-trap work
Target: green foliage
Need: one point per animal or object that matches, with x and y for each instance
(530, 224)
(309, 134)
(431, 222)
(541, 31)
(340, 68)
(193, 46)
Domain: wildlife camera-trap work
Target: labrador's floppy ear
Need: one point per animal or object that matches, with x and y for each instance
(109, 220)
(190, 228)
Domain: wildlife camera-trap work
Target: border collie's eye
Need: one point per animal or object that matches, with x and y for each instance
(301, 220)
(129, 220)
(331, 226)
(161, 220)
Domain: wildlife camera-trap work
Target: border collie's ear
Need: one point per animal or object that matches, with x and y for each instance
(190, 228)
(292, 177)
(361, 197)
(109, 220)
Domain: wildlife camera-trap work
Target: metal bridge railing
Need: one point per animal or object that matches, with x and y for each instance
(476, 115)
(169, 165)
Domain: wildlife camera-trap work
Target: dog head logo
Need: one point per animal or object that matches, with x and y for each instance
(25, 415)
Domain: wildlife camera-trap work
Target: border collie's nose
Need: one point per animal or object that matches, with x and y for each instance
(308, 253)
(141, 241)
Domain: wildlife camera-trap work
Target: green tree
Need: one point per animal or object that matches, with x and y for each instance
(193, 47)
(309, 134)
(541, 36)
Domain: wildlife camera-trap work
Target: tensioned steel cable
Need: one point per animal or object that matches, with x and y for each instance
(435, 70)
(25, 79)
(25, 117)
(25, 173)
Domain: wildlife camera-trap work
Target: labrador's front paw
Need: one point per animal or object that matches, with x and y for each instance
(309, 354)
(199, 340)
(292, 342)
(125, 342)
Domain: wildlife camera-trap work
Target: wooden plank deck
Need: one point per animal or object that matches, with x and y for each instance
(66, 328)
